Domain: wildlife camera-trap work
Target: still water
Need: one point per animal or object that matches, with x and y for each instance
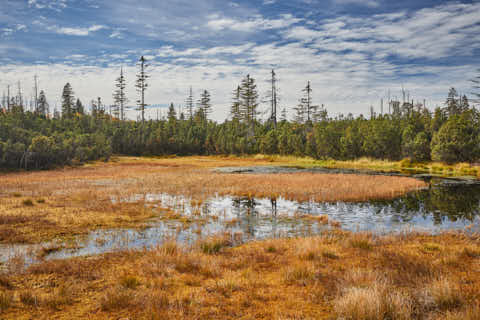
(439, 208)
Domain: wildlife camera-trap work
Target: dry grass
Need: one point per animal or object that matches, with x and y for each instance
(322, 277)
(37, 206)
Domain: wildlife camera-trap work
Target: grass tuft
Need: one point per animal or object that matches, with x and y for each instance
(130, 282)
(443, 294)
(6, 300)
(28, 203)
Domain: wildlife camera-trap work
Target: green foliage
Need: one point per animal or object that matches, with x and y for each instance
(35, 141)
(457, 140)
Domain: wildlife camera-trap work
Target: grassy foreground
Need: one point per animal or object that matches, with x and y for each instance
(338, 275)
(39, 206)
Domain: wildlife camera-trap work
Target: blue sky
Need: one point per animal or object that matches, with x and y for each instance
(353, 51)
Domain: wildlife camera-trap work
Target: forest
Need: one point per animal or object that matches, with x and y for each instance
(40, 139)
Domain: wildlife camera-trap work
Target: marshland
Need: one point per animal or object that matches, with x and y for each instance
(202, 237)
(208, 159)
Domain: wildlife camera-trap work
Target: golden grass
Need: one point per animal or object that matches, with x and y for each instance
(37, 206)
(273, 279)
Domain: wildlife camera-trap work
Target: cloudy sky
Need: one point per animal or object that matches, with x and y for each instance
(353, 51)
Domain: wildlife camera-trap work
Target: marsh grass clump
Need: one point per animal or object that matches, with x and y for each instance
(431, 247)
(130, 282)
(6, 300)
(214, 245)
(16, 194)
(375, 302)
(5, 282)
(361, 241)
(41, 200)
(28, 203)
(443, 294)
(60, 297)
(471, 252)
(329, 254)
(300, 274)
(29, 299)
(117, 299)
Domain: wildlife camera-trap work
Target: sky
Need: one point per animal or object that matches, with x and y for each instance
(354, 52)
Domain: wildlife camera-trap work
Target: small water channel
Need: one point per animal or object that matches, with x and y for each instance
(444, 206)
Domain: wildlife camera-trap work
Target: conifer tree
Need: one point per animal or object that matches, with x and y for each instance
(142, 85)
(189, 104)
(172, 114)
(42, 104)
(68, 101)
(235, 114)
(248, 100)
(204, 104)
(79, 109)
(119, 97)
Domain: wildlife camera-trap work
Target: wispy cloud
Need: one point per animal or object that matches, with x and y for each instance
(257, 23)
(368, 3)
(73, 31)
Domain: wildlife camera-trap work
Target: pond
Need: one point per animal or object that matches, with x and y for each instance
(443, 206)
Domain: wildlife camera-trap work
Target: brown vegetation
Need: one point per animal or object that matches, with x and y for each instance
(322, 277)
(36, 206)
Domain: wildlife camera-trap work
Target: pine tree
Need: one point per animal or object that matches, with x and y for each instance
(189, 104)
(68, 101)
(204, 104)
(142, 85)
(42, 104)
(235, 108)
(119, 97)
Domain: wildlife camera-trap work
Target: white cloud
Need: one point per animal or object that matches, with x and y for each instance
(255, 24)
(431, 33)
(76, 31)
(368, 3)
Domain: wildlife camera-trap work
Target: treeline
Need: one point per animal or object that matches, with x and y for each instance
(34, 140)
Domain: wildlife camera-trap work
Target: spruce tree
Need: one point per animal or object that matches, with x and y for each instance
(204, 104)
(235, 114)
(42, 104)
(79, 109)
(68, 101)
(142, 85)
(248, 100)
(172, 114)
(119, 97)
(189, 104)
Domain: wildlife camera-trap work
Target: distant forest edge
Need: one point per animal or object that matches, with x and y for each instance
(35, 140)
